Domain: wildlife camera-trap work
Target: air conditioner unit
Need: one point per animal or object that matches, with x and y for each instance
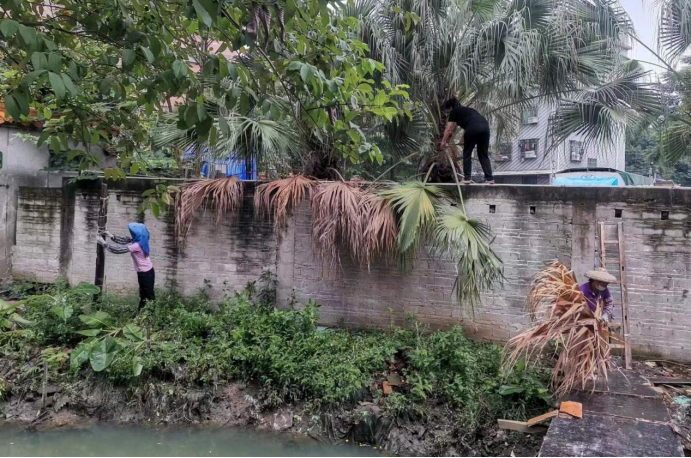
(529, 155)
(533, 120)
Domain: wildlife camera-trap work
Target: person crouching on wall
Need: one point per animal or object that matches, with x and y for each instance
(138, 247)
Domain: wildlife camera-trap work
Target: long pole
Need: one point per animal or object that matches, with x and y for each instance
(100, 251)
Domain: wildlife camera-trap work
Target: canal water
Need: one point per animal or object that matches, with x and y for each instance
(120, 440)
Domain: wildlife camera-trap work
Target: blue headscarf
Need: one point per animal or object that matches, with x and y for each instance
(140, 235)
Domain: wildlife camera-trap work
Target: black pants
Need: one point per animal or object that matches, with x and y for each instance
(481, 139)
(146, 287)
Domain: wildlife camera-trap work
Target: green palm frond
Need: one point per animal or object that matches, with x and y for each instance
(676, 141)
(468, 242)
(674, 30)
(415, 204)
(601, 114)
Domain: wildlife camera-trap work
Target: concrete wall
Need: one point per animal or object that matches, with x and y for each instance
(532, 224)
(22, 165)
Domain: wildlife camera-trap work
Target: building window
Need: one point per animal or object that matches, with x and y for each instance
(528, 148)
(503, 153)
(592, 162)
(530, 115)
(576, 149)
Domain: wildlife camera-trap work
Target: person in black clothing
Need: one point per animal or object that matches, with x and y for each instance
(475, 132)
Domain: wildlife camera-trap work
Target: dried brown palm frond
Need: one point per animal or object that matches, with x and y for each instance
(279, 198)
(224, 194)
(380, 226)
(337, 221)
(563, 316)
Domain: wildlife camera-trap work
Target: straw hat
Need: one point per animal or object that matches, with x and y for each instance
(601, 275)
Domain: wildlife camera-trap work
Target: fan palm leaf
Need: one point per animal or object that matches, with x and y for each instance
(415, 204)
(468, 242)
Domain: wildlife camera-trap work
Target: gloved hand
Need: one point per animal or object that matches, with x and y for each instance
(106, 235)
(101, 242)
(604, 318)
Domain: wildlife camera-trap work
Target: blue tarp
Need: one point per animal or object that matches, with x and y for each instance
(586, 181)
(236, 167)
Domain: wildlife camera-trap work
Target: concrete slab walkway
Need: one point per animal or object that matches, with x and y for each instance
(626, 418)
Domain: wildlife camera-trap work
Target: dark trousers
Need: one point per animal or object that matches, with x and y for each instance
(146, 287)
(470, 140)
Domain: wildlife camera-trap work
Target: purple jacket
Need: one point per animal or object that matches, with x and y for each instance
(592, 296)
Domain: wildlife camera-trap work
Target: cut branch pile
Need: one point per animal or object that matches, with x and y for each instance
(563, 317)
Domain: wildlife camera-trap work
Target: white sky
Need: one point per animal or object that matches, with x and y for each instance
(644, 18)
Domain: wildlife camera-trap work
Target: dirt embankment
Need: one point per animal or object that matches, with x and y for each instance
(78, 404)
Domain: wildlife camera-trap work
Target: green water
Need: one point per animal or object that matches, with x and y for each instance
(116, 440)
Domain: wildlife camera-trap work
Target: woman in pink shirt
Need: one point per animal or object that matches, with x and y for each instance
(138, 247)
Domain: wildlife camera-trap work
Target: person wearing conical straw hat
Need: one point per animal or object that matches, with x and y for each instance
(596, 291)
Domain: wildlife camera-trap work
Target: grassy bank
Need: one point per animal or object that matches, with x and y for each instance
(194, 343)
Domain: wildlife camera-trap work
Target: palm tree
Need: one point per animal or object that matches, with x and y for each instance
(502, 55)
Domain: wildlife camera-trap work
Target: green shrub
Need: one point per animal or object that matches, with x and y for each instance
(193, 343)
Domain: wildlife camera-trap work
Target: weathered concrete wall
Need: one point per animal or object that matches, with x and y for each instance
(219, 257)
(532, 224)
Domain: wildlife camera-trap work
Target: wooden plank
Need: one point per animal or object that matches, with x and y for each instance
(601, 435)
(624, 296)
(539, 419)
(603, 262)
(575, 409)
(521, 427)
(624, 382)
(669, 381)
(648, 409)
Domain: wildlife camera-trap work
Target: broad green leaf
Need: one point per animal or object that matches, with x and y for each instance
(506, 390)
(28, 34)
(206, 10)
(137, 366)
(133, 332)
(57, 84)
(102, 354)
(306, 73)
(54, 62)
(128, 57)
(86, 289)
(73, 154)
(55, 144)
(39, 61)
(12, 107)
(179, 69)
(80, 354)
(148, 54)
(63, 312)
(96, 319)
(155, 209)
(9, 27)
(30, 77)
(69, 84)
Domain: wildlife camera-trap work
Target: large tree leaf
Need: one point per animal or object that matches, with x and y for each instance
(102, 353)
(97, 319)
(133, 332)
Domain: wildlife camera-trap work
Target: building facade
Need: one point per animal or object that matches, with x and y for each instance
(532, 158)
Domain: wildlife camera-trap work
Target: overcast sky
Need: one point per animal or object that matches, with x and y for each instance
(644, 18)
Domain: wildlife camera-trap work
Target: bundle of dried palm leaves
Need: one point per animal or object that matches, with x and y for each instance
(224, 194)
(279, 198)
(562, 316)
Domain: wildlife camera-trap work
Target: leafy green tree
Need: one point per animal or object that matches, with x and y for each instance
(95, 68)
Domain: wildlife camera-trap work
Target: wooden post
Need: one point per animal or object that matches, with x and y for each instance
(100, 251)
(603, 247)
(624, 296)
